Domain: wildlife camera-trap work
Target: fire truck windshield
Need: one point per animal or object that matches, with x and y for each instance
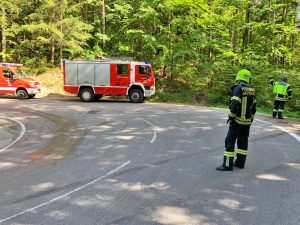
(145, 70)
(21, 74)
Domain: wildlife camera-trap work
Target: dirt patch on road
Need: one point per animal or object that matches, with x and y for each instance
(66, 138)
(287, 124)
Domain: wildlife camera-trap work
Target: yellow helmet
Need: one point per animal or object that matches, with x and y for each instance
(244, 75)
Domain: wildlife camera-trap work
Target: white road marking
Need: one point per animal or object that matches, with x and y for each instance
(153, 127)
(23, 130)
(66, 194)
(295, 136)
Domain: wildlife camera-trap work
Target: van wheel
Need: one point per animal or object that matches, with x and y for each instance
(22, 94)
(31, 96)
(86, 95)
(136, 96)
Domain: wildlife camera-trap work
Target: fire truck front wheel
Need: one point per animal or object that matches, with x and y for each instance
(86, 95)
(136, 96)
(22, 94)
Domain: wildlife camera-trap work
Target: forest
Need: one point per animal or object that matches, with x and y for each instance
(196, 47)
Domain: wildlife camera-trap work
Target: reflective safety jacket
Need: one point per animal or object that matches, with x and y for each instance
(282, 90)
(242, 106)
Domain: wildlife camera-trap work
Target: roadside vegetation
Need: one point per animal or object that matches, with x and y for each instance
(218, 92)
(51, 80)
(195, 46)
(179, 91)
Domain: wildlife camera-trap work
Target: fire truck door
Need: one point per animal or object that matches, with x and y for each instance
(6, 82)
(142, 73)
(120, 75)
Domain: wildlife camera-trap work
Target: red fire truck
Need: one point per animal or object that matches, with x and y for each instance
(91, 79)
(14, 81)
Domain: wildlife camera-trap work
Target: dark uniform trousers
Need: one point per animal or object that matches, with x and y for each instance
(278, 108)
(239, 134)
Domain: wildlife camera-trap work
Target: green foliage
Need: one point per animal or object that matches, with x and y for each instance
(195, 46)
(174, 91)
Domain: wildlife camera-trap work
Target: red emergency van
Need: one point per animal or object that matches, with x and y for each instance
(14, 81)
(91, 79)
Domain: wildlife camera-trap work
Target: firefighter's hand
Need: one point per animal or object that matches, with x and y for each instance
(230, 118)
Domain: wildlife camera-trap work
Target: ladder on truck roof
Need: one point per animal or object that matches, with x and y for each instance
(104, 59)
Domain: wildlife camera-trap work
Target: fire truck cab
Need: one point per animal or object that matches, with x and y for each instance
(13, 81)
(91, 79)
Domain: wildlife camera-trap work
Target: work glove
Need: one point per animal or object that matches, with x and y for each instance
(230, 118)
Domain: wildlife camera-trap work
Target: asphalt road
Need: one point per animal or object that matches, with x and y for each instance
(110, 163)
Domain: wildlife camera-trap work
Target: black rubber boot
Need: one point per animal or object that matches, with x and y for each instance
(280, 116)
(228, 166)
(240, 161)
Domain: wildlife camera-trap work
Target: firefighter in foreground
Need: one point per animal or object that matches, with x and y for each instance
(242, 109)
(283, 92)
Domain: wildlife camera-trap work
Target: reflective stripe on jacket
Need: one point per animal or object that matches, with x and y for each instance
(242, 104)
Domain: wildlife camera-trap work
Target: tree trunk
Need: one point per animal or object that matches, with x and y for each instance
(3, 29)
(210, 41)
(52, 51)
(103, 20)
(171, 44)
(246, 31)
(272, 38)
(164, 72)
(284, 16)
(234, 36)
(61, 55)
(61, 43)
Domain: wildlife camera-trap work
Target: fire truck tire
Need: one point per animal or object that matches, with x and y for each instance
(22, 94)
(86, 95)
(31, 96)
(136, 96)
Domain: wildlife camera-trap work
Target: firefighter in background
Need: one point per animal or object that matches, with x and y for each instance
(242, 109)
(283, 92)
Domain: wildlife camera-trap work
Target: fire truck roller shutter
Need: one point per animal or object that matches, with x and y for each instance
(71, 73)
(86, 73)
(102, 74)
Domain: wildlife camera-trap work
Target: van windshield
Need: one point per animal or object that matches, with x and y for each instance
(21, 74)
